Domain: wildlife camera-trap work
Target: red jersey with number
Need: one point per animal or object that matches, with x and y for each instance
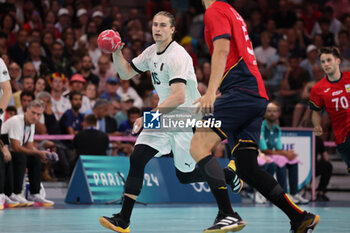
(241, 71)
(334, 97)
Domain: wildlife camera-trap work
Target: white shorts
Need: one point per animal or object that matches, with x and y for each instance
(177, 142)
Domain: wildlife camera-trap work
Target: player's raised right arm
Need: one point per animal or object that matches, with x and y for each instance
(122, 66)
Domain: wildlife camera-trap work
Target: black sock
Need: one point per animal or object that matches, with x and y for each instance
(294, 213)
(214, 175)
(128, 205)
(250, 172)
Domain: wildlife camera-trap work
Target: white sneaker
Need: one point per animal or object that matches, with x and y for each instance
(40, 201)
(300, 199)
(9, 203)
(2, 201)
(21, 200)
(259, 198)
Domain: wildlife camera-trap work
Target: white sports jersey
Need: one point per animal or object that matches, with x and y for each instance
(172, 65)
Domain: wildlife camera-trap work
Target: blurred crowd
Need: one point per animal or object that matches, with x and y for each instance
(50, 49)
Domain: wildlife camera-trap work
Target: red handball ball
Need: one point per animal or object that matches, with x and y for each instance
(109, 41)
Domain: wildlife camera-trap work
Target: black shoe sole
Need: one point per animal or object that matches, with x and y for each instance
(105, 223)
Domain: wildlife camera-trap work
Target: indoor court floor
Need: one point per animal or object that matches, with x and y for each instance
(166, 218)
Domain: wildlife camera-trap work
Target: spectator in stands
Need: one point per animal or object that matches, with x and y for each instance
(69, 41)
(91, 93)
(93, 49)
(344, 44)
(77, 84)
(71, 121)
(127, 125)
(49, 125)
(35, 55)
(47, 40)
(35, 22)
(292, 85)
(20, 132)
(82, 17)
(18, 52)
(90, 141)
(302, 112)
(27, 85)
(7, 25)
(104, 71)
(334, 25)
(10, 112)
(15, 75)
(265, 51)
(276, 67)
(3, 47)
(26, 98)
(57, 62)
(126, 103)
(60, 104)
(40, 85)
(310, 16)
(271, 145)
(327, 35)
(114, 107)
(105, 123)
(63, 19)
(86, 70)
(296, 44)
(323, 168)
(284, 17)
(311, 61)
(125, 89)
(275, 36)
(111, 89)
(318, 41)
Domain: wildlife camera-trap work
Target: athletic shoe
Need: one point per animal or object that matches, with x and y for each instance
(2, 201)
(232, 178)
(9, 203)
(40, 201)
(321, 197)
(21, 200)
(306, 225)
(226, 223)
(259, 198)
(115, 223)
(298, 199)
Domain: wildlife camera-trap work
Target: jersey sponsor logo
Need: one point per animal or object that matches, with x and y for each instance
(4, 72)
(152, 120)
(325, 91)
(188, 164)
(337, 92)
(347, 87)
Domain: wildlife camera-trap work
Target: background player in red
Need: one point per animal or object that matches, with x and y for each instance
(241, 109)
(332, 93)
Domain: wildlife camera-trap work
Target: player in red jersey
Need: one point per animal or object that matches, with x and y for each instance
(241, 109)
(332, 93)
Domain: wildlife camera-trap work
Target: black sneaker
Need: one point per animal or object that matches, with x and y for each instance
(306, 225)
(115, 223)
(232, 178)
(226, 223)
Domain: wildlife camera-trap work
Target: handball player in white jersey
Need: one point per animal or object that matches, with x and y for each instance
(174, 80)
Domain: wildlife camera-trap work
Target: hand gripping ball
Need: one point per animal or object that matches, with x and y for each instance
(109, 41)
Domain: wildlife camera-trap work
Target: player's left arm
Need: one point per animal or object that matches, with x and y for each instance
(176, 98)
(218, 64)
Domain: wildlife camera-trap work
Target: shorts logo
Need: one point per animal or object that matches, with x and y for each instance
(152, 120)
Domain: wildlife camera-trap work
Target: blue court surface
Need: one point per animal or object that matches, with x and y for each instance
(169, 218)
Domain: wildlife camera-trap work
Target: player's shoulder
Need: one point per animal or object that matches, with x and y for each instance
(150, 49)
(177, 52)
(346, 74)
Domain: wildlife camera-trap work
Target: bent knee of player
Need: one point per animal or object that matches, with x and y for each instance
(200, 147)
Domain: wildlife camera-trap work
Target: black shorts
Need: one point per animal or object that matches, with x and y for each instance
(241, 115)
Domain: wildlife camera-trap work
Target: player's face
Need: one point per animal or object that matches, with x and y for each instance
(162, 29)
(330, 64)
(272, 112)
